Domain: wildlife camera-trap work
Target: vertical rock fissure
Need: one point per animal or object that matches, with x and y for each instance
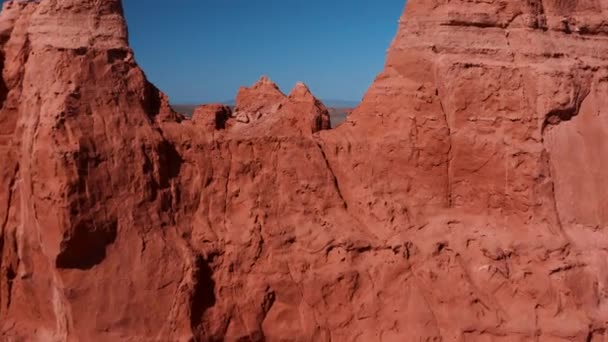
(10, 278)
(11, 185)
(558, 217)
(10, 271)
(203, 293)
(449, 196)
(333, 175)
(226, 186)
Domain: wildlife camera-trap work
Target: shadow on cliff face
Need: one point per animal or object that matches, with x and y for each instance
(114, 55)
(86, 246)
(170, 163)
(152, 100)
(203, 295)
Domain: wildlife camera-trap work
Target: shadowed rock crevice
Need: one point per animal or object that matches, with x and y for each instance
(220, 120)
(10, 278)
(170, 163)
(152, 100)
(114, 55)
(8, 247)
(596, 335)
(9, 264)
(482, 25)
(85, 246)
(212, 117)
(203, 293)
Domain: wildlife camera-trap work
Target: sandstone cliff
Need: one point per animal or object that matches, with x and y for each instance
(464, 200)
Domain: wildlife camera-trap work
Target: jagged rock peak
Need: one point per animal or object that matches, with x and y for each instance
(259, 97)
(301, 92)
(265, 82)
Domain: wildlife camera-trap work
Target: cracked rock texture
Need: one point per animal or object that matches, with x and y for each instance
(463, 200)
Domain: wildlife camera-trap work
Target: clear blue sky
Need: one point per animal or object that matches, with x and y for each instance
(201, 50)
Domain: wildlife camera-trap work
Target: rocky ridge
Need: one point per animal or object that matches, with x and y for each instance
(463, 200)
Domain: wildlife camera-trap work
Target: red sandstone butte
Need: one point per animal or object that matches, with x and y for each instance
(463, 200)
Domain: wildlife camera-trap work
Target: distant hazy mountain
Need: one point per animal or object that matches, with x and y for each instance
(185, 109)
(340, 103)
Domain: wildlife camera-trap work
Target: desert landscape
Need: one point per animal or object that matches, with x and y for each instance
(464, 199)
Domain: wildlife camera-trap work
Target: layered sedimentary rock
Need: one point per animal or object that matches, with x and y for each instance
(464, 200)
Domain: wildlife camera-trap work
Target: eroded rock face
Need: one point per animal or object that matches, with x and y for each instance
(263, 107)
(82, 159)
(463, 200)
(487, 114)
(212, 116)
(261, 99)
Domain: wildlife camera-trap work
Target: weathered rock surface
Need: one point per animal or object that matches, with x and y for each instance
(212, 116)
(263, 98)
(464, 200)
(263, 108)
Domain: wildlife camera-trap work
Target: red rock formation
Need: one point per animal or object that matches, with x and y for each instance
(306, 103)
(264, 108)
(463, 200)
(263, 98)
(212, 117)
(473, 137)
(84, 170)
